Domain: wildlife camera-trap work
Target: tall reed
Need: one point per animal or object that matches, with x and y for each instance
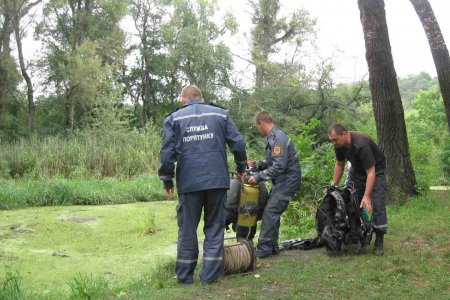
(87, 154)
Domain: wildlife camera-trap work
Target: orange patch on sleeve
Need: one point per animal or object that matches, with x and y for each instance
(277, 150)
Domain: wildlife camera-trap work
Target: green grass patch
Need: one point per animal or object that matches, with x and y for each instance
(24, 193)
(51, 246)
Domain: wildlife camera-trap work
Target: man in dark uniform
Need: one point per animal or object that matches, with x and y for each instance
(283, 169)
(368, 174)
(195, 137)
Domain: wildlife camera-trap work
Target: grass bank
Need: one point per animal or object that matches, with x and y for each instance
(22, 193)
(415, 266)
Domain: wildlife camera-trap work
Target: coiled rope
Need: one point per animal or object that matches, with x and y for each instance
(238, 258)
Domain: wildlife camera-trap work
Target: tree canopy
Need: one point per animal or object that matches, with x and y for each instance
(92, 74)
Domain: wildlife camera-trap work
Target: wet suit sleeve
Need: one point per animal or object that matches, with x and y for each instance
(236, 143)
(166, 171)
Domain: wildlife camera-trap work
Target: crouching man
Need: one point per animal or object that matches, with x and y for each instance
(283, 169)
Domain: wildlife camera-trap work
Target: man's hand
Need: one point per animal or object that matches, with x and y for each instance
(250, 163)
(367, 202)
(168, 192)
(252, 180)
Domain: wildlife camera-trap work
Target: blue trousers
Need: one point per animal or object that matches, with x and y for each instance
(270, 223)
(189, 210)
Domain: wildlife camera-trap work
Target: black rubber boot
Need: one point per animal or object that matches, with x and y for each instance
(275, 250)
(359, 247)
(378, 250)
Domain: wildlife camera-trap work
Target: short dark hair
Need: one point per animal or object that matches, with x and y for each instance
(337, 128)
(263, 116)
(192, 92)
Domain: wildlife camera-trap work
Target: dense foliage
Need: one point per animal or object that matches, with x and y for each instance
(103, 92)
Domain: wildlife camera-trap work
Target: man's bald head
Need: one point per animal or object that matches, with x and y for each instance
(191, 92)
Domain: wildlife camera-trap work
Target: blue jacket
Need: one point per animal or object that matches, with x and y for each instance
(281, 164)
(195, 137)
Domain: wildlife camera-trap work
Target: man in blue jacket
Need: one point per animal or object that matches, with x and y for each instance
(195, 137)
(283, 169)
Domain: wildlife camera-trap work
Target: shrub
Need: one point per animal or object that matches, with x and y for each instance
(317, 165)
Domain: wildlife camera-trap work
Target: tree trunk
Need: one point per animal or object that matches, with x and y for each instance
(5, 59)
(144, 103)
(71, 116)
(70, 107)
(79, 29)
(264, 36)
(386, 100)
(260, 60)
(3, 84)
(20, 10)
(438, 49)
(30, 97)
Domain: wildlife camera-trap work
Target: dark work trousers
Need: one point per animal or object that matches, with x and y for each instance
(189, 210)
(270, 223)
(378, 195)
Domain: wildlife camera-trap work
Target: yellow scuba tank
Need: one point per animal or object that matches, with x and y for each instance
(247, 211)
